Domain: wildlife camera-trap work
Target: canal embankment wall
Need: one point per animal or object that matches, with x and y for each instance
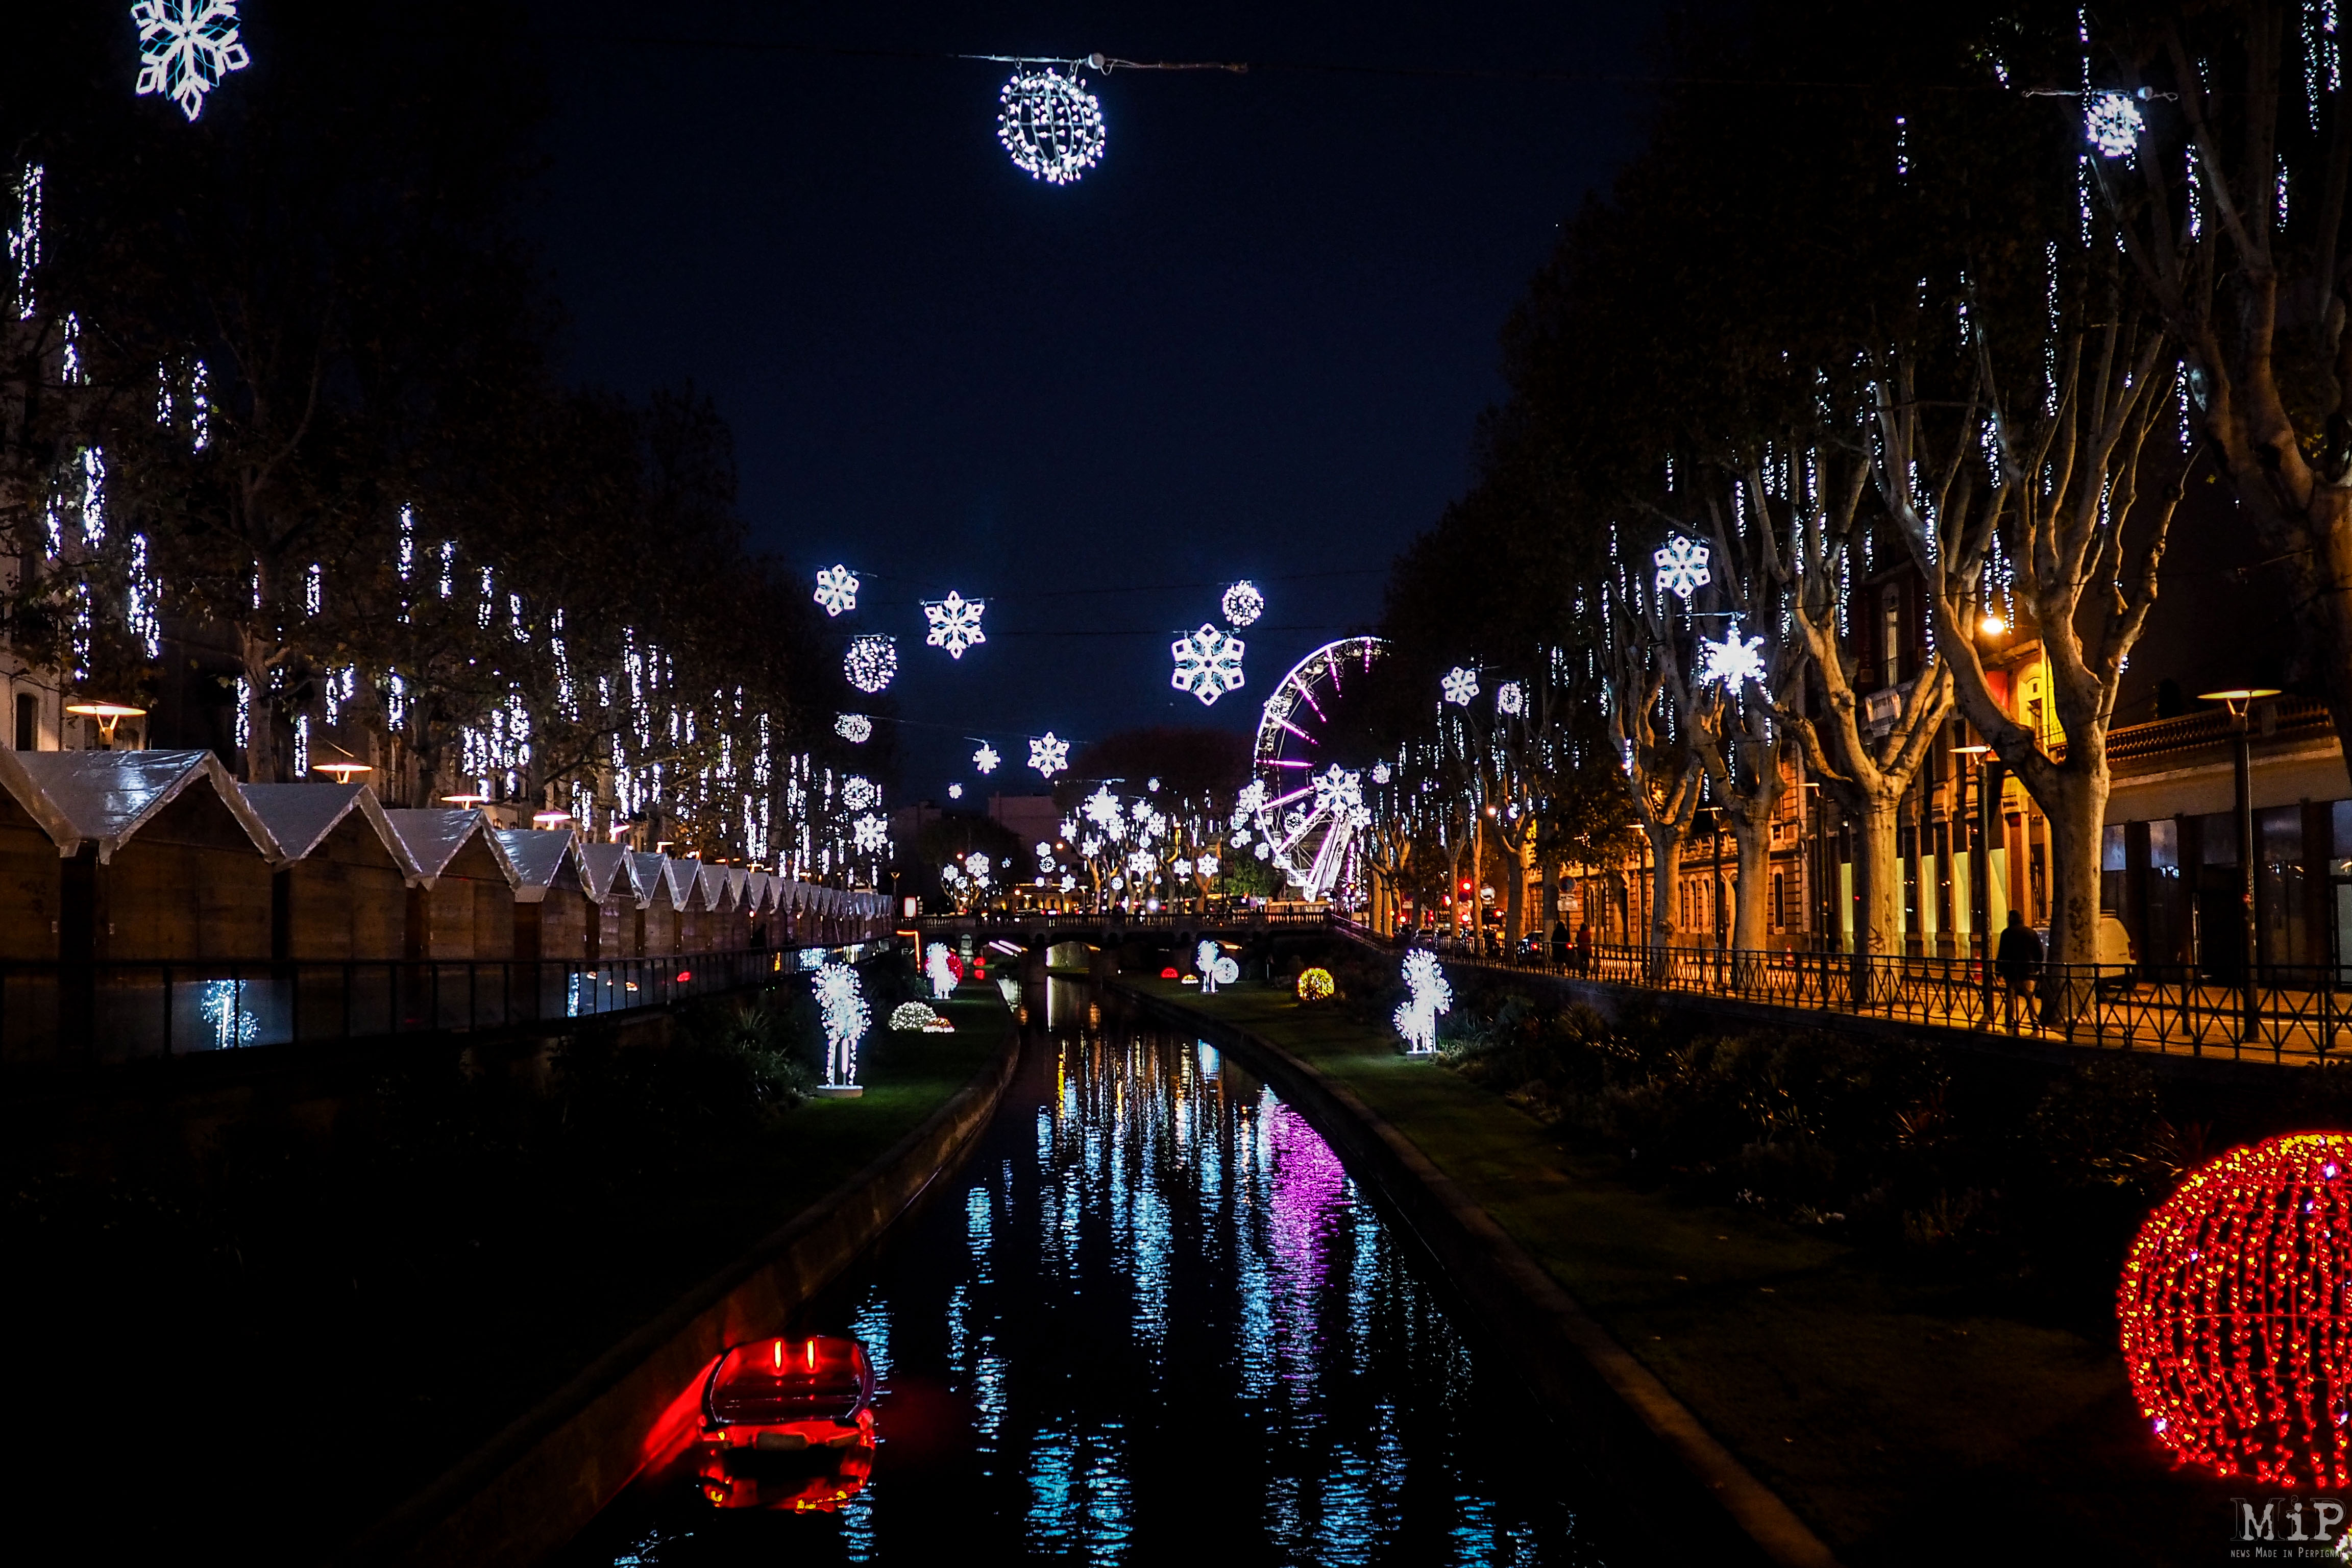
(1682, 1495)
(538, 1482)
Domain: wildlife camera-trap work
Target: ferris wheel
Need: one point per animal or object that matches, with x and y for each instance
(1305, 802)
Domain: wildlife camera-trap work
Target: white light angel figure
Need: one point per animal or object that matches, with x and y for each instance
(1049, 756)
(1416, 1017)
(1459, 686)
(955, 624)
(836, 590)
(185, 46)
(939, 968)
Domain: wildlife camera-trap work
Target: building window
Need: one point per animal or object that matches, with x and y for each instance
(28, 721)
(1890, 618)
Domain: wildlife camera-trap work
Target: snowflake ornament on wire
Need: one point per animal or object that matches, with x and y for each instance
(985, 758)
(873, 835)
(1242, 604)
(1337, 791)
(1511, 699)
(1682, 566)
(955, 792)
(858, 793)
(871, 662)
(1459, 686)
(836, 590)
(855, 728)
(955, 624)
(1731, 661)
(185, 46)
(1051, 124)
(1208, 664)
(2112, 124)
(1381, 773)
(1049, 756)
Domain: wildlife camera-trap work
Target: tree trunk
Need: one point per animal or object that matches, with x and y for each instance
(1753, 840)
(2077, 817)
(260, 712)
(1521, 859)
(1665, 869)
(1878, 886)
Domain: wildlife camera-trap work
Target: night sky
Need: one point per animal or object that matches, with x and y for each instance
(1254, 341)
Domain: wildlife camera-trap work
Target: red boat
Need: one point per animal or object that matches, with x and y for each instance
(788, 1423)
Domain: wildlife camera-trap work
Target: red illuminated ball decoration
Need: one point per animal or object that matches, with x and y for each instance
(2236, 1304)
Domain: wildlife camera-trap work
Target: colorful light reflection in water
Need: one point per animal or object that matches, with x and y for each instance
(1153, 1319)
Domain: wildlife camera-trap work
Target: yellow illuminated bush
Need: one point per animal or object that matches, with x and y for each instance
(1315, 986)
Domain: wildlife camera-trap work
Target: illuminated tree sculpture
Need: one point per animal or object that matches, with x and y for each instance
(841, 1000)
(939, 967)
(2237, 1325)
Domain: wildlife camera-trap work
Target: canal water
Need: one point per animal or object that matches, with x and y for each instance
(1152, 1318)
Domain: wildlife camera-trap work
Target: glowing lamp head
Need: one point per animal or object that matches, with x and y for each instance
(466, 800)
(108, 714)
(549, 819)
(2237, 1334)
(1992, 625)
(342, 773)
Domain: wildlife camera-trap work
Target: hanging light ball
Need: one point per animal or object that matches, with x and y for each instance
(1242, 604)
(1051, 125)
(2236, 1307)
(871, 662)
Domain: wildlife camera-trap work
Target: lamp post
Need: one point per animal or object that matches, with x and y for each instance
(2240, 700)
(108, 714)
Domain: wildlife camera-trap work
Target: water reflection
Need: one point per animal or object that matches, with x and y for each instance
(1156, 1318)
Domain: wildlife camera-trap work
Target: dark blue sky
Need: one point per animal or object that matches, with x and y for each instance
(1254, 343)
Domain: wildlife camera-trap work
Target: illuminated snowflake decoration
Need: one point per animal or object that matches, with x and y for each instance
(1182, 866)
(855, 728)
(955, 624)
(836, 590)
(1152, 784)
(185, 46)
(1381, 773)
(1459, 686)
(873, 835)
(1416, 1018)
(1208, 664)
(1102, 809)
(1337, 792)
(2114, 124)
(1068, 883)
(1070, 828)
(955, 792)
(1140, 863)
(1051, 125)
(985, 758)
(1511, 698)
(1206, 865)
(1682, 566)
(1049, 756)
(871, 662)
(858, 793)
(1731, 661)
(1242, 604)
(978, 865)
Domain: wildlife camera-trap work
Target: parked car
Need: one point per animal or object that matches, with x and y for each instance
(788, 1423)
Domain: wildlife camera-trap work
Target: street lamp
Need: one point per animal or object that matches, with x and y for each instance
(342, 773)
(108, 714)
(2240, 700)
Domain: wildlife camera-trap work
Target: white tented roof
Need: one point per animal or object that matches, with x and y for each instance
(657, 878)
(714, 882)
(607, 869)
(537, 855)
(300, 815)
(434, 836)
(106, 797)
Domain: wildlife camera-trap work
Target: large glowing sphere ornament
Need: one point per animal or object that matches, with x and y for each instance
(185, 46)
(1242, 604)
(1208, 664)
(2113, 123)
(1051, 125)
(855, 728)
(871, 662)
(1049, 756)
(1511, 699)
(836, 590)
(955, 623)
(2236, 1305)
(1682, 566)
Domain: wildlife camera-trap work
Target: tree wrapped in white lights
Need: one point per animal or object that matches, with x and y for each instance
(939, 968)
(1428, 994)
(841, 999)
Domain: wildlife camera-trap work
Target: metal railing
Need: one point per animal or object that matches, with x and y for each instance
(77, 1015)
(2278, 1013)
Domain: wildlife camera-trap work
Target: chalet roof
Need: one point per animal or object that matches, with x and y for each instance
(106, 797)
(606, 869)
(300, 815)
(658, 877)
(538, 856)
(739, 884)
(714, 881)
(759, 892)
(434, 836)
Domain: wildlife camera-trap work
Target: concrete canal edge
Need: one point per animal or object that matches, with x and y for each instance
(1692, 1498)
(538, 1483)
